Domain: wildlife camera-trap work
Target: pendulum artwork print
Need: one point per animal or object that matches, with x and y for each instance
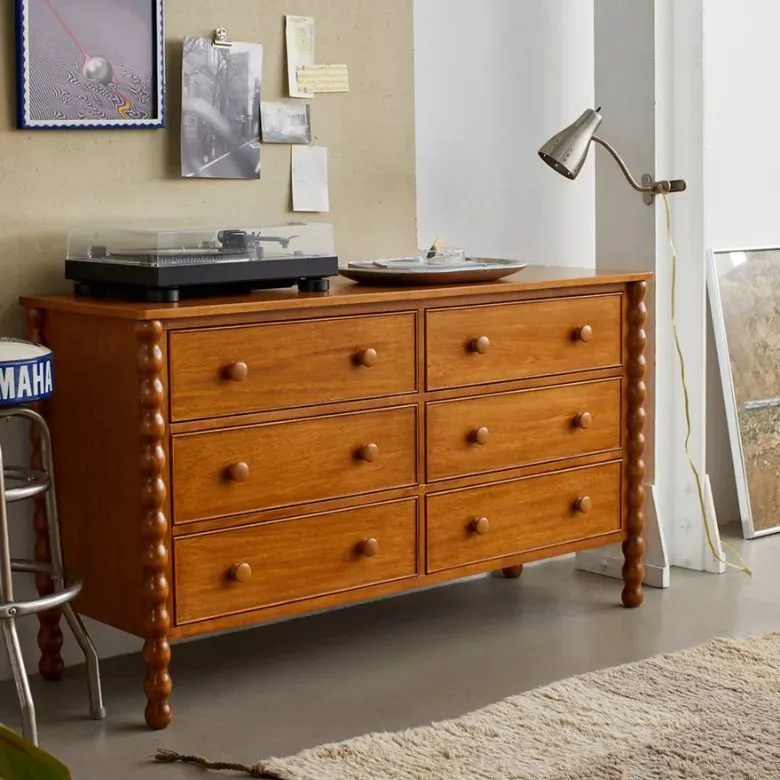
(90, 63)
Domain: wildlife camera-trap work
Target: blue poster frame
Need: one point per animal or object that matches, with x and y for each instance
(25, 74)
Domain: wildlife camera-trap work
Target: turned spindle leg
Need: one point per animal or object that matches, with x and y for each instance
(512, 572)
(634, 546)
(49, 633)
(154, 526)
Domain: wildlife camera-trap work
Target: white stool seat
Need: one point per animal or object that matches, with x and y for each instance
(26, 372)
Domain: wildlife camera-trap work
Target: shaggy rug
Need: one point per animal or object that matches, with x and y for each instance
(709, 712)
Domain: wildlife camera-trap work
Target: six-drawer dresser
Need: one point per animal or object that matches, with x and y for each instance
(226, 461)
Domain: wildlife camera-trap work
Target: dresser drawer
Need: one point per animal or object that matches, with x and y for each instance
(475, 345)
(233, 571)
(480, 524)
(520, 428)
(261, 466)
(221, 371)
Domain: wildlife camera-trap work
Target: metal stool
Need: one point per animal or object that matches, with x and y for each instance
(26, 377)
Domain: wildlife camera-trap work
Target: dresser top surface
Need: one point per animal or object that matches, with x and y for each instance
(533, 278)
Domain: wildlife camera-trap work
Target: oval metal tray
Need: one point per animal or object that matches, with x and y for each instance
(464, 273)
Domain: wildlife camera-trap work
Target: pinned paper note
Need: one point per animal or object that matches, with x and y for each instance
(310, 178)
(300, 50)
(323, 78)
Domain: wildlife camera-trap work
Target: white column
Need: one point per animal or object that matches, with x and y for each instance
(648, 81)
(681, 145)
(624, 36)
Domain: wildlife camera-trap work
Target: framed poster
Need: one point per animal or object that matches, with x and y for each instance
(90, 64)
(744, 295)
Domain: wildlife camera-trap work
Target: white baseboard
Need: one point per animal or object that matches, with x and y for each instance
(597, 562)
(608, 561)
(713, 564)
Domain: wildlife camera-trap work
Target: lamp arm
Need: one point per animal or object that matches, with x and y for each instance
(623, 167)
(649, 186)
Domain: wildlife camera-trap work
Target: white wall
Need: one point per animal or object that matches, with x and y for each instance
(742, 114)
(741, 117)
(495, 79)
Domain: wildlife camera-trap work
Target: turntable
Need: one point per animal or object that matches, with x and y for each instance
(170, 264)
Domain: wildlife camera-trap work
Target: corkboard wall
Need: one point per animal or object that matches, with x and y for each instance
(50, 179)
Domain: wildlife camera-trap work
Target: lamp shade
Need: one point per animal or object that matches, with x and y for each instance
(566, 151)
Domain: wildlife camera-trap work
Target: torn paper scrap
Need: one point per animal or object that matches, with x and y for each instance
(300, 50)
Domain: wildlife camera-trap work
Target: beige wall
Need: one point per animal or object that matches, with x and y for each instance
(51, 179)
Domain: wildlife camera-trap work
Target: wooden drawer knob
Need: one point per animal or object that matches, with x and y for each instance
(480, 345)
(584, 333)
(237, 372)
(583, 420)
(480, 435)
(583, 505)
(480, 525)
(241, 572)
(369, 547)
(238, 472)
(368, 453)
(368, 357)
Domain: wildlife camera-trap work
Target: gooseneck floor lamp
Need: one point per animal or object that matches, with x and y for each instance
(566, 151)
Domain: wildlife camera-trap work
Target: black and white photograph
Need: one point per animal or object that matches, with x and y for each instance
(286, 123)
(220, 129)
(90, 64)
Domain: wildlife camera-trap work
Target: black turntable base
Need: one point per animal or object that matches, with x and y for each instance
(172, 282)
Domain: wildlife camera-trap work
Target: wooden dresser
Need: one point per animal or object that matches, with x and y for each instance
(223, 462)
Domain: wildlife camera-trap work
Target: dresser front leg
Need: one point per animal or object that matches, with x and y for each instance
(157, 685)
(634, 545)
(512, 572)
(155, 531)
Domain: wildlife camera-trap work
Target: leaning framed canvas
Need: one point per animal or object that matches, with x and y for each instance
(744, 295)
(90, 63)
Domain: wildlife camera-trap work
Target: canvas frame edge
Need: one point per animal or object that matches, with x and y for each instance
(729, 394)
(24, 122)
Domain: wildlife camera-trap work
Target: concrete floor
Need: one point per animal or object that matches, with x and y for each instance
(391, 664)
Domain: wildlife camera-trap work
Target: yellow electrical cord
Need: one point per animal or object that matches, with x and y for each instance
(743, 566)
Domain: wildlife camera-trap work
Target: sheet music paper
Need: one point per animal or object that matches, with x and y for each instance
(323, 78)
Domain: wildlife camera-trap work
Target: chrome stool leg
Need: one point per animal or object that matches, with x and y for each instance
(66, 588)
(11, 637)
(29, 727)
(96, 708)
